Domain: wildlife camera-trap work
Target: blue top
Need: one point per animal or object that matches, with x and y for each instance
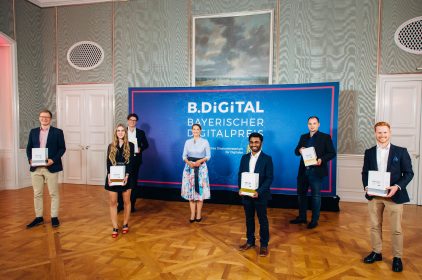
(199, 148)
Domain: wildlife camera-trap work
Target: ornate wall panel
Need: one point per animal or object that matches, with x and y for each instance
(331, 40)
(85, 23)
(6, 18)
(48, 79)
(151, 47)
(28, 31)
(395, 60)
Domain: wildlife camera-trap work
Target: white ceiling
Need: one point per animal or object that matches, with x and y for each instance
(53, 3)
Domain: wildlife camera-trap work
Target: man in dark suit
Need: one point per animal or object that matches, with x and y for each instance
(138, 136)
(386, 157)
(46, 136)
(257, 162)
(312, 176)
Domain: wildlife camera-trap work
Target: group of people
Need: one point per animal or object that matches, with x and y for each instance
(195, 187)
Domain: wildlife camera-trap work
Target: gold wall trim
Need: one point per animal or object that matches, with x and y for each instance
(56, 44)
(14, 20)
(277, 44)
(190, 51)
(379, 37)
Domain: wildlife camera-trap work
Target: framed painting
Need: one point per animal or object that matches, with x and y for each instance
(232, 49)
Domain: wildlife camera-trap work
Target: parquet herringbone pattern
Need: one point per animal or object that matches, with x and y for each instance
(162, 244)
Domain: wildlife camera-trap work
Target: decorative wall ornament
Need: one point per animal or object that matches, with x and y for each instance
(408, 36)
(85, 55)
(232, 48)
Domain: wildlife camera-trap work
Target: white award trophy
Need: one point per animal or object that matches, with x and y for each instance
(39, 157)
(309, 156)
(117, 175)
(249, 183)
(134, 141)
(377, 182)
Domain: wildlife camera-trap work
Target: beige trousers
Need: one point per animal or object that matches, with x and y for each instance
(376, 208)
(40, 176)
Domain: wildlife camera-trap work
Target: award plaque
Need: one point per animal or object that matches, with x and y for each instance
(309, 156)
(39, 157)
(117, 175)
(377, 182)
(134, 141)
(249, 183)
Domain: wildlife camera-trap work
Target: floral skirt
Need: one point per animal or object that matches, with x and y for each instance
(188, 183)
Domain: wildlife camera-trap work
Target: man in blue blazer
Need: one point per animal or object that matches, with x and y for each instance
(46, 136)
(312, 176)
(257, 162)
(386, 157)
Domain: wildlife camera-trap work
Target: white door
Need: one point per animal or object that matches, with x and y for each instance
(399, 103)
(85, 115)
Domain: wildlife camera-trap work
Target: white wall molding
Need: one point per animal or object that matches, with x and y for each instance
(349, 178)
(23, 170)
(54, 3)
(7, 172)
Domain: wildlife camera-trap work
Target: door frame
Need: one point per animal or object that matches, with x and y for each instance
(379, 101)
(15, 183)
(59, 105)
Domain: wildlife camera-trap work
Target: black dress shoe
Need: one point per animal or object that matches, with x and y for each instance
(37, 221)
(373, 257)
(246, 246)
(55, 222)
(198, 220)
(298, 221)
(397, 265)
(263, 251)
(191, 221)
(312, 225)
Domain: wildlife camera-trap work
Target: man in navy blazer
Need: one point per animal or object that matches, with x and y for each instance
(312, 176)
(257, 162)
(46, 136)
(386, 157)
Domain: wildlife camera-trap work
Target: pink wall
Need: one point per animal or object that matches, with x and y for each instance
(6, 116)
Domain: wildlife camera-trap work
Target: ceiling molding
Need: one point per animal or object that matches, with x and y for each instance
(55, 3)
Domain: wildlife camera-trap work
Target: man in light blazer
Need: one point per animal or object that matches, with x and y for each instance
(142, 144)
(312, 176)
(387, 157)
(52, 138)
(257, 162)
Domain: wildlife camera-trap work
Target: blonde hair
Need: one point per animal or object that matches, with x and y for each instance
(381, 124)
(115, 143)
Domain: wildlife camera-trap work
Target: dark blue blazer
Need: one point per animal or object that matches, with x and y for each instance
(264, 167)
(324, 149)
(142, 143)
(399, 165)
(55, 144)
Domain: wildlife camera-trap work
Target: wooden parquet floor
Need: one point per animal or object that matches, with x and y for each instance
(162, 244)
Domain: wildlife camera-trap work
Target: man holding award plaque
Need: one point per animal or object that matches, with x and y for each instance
(386, 171)
(255, 178)
(316, 150)
(45, 149)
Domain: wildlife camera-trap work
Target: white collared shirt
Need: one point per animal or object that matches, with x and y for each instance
(43, 136)
(382, 157)
(130, 134)
(252, 161)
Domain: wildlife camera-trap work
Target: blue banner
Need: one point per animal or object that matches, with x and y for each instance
(228, 115)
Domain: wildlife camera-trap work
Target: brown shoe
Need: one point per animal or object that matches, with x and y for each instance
(263, 251)
(246, 246)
